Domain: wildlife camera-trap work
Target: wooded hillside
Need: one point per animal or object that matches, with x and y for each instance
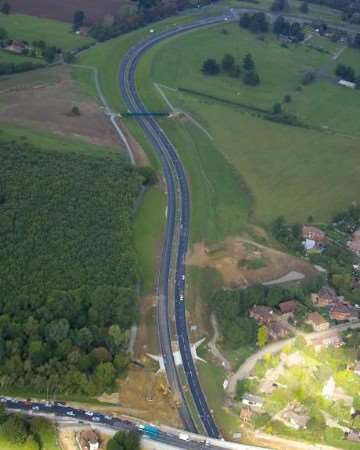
(68, 268)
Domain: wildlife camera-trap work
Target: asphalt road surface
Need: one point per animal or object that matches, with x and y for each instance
(178, 223)
(60, 412)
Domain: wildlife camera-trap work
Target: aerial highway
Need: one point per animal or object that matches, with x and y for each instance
(178, 224)
(178, 221)
(58, 411)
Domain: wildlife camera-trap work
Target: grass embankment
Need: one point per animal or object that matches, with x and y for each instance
(148, 225)
(53, 32)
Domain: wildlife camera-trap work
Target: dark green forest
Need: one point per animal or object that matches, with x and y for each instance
(68, 268)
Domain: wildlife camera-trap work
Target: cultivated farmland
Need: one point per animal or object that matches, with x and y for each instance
(53, 32)
(65, 9)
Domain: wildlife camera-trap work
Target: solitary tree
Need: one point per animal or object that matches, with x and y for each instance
(262, 336)
(3, 34)
(279, 5)
(304, 7)
(6, 8)
(210, 67)
(124, 440)
(227, 62)
(78, 19)
(248, 62)
(251, 78)
(277, 108)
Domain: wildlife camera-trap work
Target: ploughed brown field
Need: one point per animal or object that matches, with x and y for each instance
(64, 9)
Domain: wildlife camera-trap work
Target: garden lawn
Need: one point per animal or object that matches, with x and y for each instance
(53, 32)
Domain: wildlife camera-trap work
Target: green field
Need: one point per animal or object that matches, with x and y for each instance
(148, 225)
(280, 166)
(6, 57)
(53, 32)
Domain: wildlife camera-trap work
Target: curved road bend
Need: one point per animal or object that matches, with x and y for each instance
(175, 180)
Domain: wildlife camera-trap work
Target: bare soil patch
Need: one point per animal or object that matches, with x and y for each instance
(45, 105)
(67, 439)
(147, 338)
(64, 9)
(242, 262)
(146, 395)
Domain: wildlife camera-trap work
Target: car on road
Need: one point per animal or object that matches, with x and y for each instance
(95, 419)
(35, 408)
(181, 298)
(70, 413)
(89, 413)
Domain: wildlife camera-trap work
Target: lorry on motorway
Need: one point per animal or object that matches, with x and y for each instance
(151, 430)
(184, 437)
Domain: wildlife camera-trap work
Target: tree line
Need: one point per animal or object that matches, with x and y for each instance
(230, 67)
(258, 23)
(68, 269)
(232, 310)
(347, 73)
(147, 11)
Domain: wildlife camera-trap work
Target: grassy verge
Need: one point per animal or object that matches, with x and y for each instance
(53, 32)
(212, 378)
(148, 227)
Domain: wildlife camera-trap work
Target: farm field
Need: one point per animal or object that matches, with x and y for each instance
(22, 104)
(65, 9)
(53, 32)
(280, 165)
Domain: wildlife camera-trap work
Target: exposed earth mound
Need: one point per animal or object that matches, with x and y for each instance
(242, 262)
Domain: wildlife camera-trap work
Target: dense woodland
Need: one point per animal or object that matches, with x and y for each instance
(68, 269)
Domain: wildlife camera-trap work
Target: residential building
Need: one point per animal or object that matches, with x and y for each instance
(18, 47)
(317, 321)
(343, 311)
(263, 314)
(357, 368)
(252, 400)
(314, 234)
(295, 420)
(331, 338)
(277, 330)
(353, 435)
(354, 246)
(89, 440)
(325, 297)
(288, 308)
(246, 414)
(348, 84)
